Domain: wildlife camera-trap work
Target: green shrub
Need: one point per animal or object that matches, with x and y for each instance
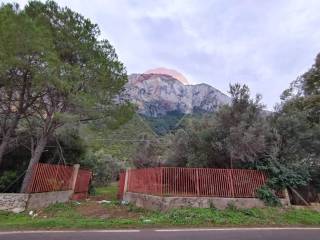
(92, 190)
(268, 196)
(105, 168)
(6, 180)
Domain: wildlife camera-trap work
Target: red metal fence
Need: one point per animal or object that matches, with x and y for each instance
(82, 184)
(164, 181)
(147, 180)
(50, 178)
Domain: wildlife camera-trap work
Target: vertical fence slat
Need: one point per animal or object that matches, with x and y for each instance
(231, 182)
(197, 182)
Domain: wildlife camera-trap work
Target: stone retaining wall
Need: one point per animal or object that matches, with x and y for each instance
(166, 203)
(19, 202)
(41, 200)
(14, 202)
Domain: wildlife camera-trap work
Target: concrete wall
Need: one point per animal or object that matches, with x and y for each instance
(19, 202)
(165, 203)
(14, 202)
(40, 200)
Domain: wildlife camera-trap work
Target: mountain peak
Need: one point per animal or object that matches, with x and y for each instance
(171, 72)
(158, 94)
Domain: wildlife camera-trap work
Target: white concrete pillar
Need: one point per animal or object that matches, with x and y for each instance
(286, 197)
(76, 168)
(126, 179)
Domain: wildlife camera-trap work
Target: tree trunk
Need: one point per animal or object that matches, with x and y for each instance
(34, 160)
(14, 124)
(3, 146)
(6, 138)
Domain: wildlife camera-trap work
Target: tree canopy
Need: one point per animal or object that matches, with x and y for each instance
(60, 72)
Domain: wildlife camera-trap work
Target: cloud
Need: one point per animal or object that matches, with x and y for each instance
(264, 44)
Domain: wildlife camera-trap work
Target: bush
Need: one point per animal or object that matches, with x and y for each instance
(6, 180)
(147, 154)
(105, 168)
(268, 196)
(92, 190)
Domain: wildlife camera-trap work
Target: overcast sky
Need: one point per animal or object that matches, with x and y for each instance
(265, 44)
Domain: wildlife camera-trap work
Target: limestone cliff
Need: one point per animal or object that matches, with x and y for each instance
(158, 94)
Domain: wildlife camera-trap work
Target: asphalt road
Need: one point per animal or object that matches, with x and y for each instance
(171, 234)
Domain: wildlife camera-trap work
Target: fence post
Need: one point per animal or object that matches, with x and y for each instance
(74, 176)
(286, 197)
(145, 177)
(126, 179)
(198, 189)
(231, 182)
(161, 181)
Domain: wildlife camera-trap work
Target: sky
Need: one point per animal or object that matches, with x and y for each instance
(264, 44)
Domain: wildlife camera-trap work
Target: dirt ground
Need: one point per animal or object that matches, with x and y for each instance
(93, 208)
(103, 205)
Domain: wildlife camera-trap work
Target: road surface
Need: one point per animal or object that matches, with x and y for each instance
(171, 234)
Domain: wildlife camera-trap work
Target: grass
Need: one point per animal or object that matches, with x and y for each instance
(65, 216)
(85, 215)
(109, 192)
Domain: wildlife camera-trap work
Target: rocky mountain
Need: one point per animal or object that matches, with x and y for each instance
(157, 94)
(171, 72)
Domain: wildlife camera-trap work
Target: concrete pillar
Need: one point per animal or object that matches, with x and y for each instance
(126, 181)
(198, 184)
(76, 168)
(286, 197)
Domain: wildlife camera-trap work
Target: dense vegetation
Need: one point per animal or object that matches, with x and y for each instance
(162, 125)
(56, 78)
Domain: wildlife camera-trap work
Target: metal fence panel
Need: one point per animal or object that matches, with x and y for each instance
(205, 182)
(83, 180)
(145, 180)
(49, 177)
